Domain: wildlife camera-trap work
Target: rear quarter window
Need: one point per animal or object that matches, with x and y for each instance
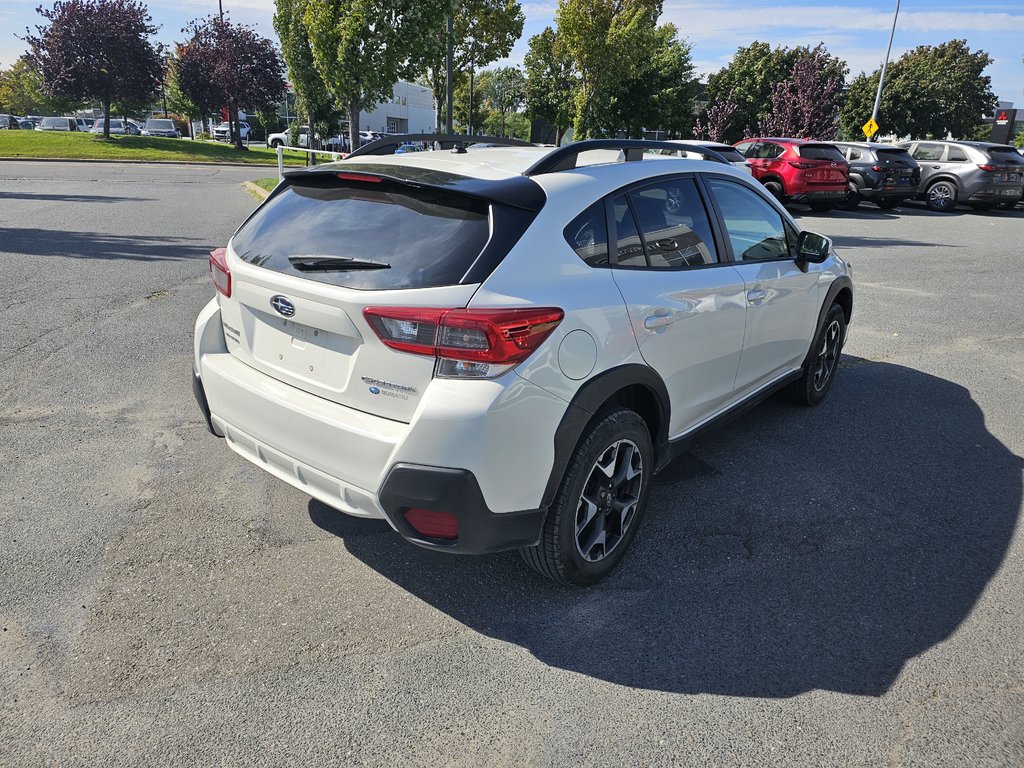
(427, 237)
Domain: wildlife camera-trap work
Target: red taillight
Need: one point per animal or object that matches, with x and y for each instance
(989, 168)
(433, 525)
(877, 168)
(219, 272)
(467, 342)
(359, 177)
(802, 165)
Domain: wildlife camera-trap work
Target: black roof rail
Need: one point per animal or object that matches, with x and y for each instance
(388, 144)
(564, 158)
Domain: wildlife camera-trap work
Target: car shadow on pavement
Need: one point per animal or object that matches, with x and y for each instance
(100, 245)
(866, 241)
(793, 549)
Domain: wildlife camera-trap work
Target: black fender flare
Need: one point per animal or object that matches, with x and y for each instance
(588, 401)
(837, 285)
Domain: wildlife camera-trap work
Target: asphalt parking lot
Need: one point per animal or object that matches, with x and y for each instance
(833, 586)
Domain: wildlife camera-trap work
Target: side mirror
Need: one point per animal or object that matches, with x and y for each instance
(812, 248)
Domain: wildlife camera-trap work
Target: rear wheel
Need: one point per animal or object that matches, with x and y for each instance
(775, 189)
(820, 370)
(275, 144)
(600, 502)
(888, 205)
(850, 201)
(941, 197)
(821, 207)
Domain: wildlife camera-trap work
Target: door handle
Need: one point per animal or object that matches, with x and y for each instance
(936, 167)
(658, 320)
(756, 296)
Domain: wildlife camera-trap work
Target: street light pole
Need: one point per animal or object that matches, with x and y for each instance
(448, 77)
(885, 65)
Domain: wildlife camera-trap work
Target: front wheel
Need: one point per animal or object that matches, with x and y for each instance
(941, 197)
(850, 201)
(600, 502)
(275, 144)
(823, 361)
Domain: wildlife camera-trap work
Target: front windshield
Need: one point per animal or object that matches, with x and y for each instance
(163, 125)
(55, 122)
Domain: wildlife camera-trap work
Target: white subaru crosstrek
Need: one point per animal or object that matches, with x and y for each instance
(497, 348)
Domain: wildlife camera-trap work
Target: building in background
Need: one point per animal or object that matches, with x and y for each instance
(410, 110)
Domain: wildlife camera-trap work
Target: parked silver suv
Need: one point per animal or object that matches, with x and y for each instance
(981, 174)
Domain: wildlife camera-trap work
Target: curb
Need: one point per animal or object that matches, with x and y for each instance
(139, 162)
(258, 192)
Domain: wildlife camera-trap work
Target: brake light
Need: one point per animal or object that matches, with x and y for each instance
(219, 272)
(467, 343)
(433, 525)
(801, 164)
(359, 177)
(877, 168)
(990, 168)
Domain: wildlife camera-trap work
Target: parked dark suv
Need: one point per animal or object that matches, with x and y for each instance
(978, 173)
(798, 171)
(881, 173)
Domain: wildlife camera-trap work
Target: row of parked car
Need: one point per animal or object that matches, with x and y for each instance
(827, 175)
(118, 126)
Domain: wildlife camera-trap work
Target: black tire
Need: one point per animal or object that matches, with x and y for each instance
(275, 144)
(822, 361)
(775, 189)
(619, 436)
(851, 202)
(888, 205)
(1009, 206)
(822, 207)
(941, 197)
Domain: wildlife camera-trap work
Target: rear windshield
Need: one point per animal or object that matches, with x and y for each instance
(427, 237)
(821, 152)
(1005, 156)
(731, 154)
(897, 157)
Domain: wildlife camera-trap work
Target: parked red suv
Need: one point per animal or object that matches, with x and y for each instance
(798, 171)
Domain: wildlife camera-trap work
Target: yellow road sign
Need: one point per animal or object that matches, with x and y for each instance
(870, 128)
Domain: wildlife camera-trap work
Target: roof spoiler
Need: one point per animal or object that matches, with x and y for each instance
(564, 158)
(388, 144)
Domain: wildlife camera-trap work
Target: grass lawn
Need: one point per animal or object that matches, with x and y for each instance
(84, 146)
(267, 184)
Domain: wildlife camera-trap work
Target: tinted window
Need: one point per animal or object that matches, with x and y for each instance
(895, 157)
(1005, 156)
(821, 152)
(767, 151)
(674, 225)
(427, 237)
(956, 155)
(744, 148)
(854, 154)
(54, 122)
(730, 154)
(628, 246)
(162, 125)
(928, 152)
(756, 230)
(588, 235)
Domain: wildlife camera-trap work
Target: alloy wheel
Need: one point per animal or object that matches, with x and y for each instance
(941, 196)
(608, 504)
(825, 364)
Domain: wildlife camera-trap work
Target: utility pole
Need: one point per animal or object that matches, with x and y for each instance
(448, 77)
(885, 65)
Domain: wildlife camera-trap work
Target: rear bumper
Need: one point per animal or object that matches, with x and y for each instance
(369, 466)
(994, 194)
(885, 194)
(819, 196)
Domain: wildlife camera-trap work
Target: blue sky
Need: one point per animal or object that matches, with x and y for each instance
(855, 31)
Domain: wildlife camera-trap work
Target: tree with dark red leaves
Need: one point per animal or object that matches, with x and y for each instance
(97, 49)
(807, 105)
(225, 65)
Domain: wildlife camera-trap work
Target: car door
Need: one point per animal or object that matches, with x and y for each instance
(929, 156)
(686, 304)
(782, 298)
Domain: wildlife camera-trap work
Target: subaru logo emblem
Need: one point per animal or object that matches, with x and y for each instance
(374, 390)
(282, 305)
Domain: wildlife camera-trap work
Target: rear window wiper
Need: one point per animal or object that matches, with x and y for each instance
(333, 263)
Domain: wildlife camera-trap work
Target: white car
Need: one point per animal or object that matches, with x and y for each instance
(283, 139)
(222, 132)
(728, 151)
(498, 349)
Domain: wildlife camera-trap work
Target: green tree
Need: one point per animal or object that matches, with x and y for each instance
(606, 41)
(177, 101)
(314, 98)
(362, 47)
(483, 31)
(660, 95)
(21, 92)
(929, 92)
(750, 80)
(503, 91)
(549, 82)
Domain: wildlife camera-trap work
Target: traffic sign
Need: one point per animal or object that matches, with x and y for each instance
(870, 128)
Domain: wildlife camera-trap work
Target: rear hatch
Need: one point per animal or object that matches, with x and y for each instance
(1005, 169)
(824, 165)
(326, 246)
(900, 169)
